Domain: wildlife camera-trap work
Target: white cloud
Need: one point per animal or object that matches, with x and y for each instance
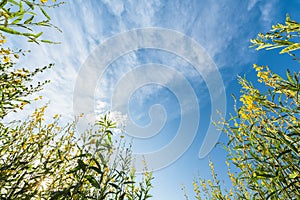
(266, 10)
(85, 24)
(252, 3)
(116, 6)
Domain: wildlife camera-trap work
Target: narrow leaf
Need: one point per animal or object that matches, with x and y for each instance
(45, 13)
(292, 47)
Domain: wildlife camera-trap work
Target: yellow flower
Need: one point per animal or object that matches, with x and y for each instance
(136, 189)
(2, 41)
(5, 51)
(196, 187)
(147, 174)
(6, 59)
(294, 120)
(43, 108)
(290, 93)
(55, 116)
(44, 1)
(37, 98)
(257, 68)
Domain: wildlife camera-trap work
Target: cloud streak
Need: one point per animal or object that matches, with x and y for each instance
(86, 24)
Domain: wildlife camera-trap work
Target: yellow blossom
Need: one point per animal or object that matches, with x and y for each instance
(136, 189)
(50, 125)
(55, 116)
(2, 41)
(6, 59)
(257, 68)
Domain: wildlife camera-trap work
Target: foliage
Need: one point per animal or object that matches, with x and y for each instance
(103, 171)
(215, 189)
(142, 190)
(20, 17)
(285, 36)
(31, 156)
(45, 161)
(264, 132)
(14, 83)
(265, 136)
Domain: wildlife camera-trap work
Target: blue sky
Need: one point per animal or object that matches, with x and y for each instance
(156, 76)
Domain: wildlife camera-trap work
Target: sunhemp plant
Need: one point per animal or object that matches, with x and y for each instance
(20, 18)
(41, 160)
(264, 131)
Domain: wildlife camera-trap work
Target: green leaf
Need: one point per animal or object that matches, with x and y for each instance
(238, 147)
(129, 182)
(81, 165)
(109, 138)
(29, 20)
(38, 35)
(108, 132)
(57, 194)
(3, 3)
(283, 42)
(9, 30)
(98, 170)
(50, 42)
(18, 19)
(30, 5)
(264, 175)
(21, 7)
(93, 181)
(292, 47)
(290, 78)
(97, 163)
(114, 185)
(45, 13)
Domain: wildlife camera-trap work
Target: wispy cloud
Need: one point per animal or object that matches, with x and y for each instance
(251, 4)
(222, 28)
